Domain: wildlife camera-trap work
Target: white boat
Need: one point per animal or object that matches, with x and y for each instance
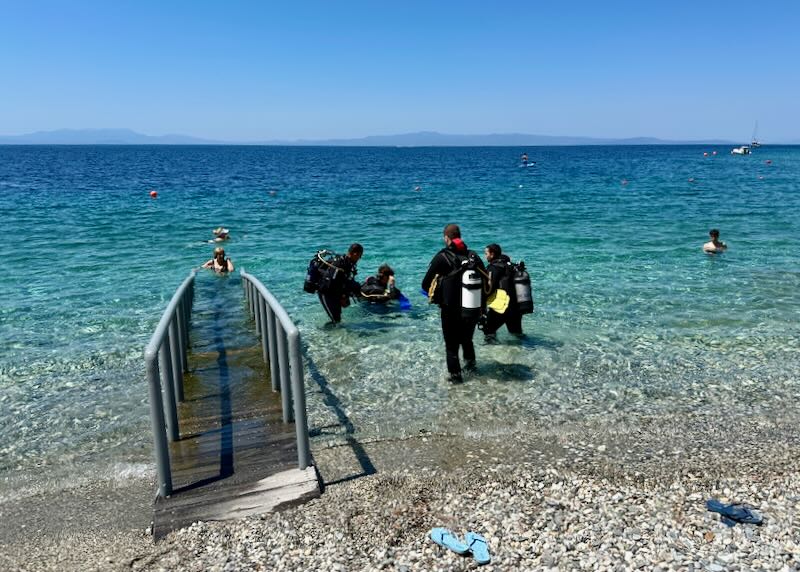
(743, 150)
(755, 142)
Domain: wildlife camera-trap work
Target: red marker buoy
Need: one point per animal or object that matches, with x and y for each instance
(153, 195)
(705, 153)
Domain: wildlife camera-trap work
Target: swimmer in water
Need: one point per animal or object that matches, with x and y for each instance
(524, 159)
(714, 245)
(219, 263)
(221, 234)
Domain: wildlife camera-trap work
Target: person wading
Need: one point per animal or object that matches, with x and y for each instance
(455, 281)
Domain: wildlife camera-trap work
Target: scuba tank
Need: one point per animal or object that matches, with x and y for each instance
(314, 272)
(523, 290)
(312, 276)
(471, 292)
(463, 287)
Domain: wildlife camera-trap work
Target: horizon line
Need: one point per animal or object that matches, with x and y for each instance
(127, 136)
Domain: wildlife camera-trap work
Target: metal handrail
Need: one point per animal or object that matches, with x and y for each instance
(168, 344)
(280, 348)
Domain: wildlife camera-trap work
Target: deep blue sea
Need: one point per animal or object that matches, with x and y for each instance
(632, 318)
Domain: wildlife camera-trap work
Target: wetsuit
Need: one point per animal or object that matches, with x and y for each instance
(373, 291)
(336, 285)
(501, 274)
(457, 331)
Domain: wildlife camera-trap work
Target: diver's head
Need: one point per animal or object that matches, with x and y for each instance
(492, 252)
(219, 254)
(354, 252)
(384, 273)
(451, 232)
(714, 234)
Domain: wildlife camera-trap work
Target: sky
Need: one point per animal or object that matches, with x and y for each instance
(262, 70)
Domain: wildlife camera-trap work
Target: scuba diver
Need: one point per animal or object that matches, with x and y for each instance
(381, 287)
(332, 278)
(502, 307)
(455, 281)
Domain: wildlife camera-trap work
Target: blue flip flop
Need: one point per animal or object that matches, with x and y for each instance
(733, 513)
(479, 547)
(447, 539)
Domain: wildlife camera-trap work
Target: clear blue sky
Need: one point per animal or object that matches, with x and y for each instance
(263, 70)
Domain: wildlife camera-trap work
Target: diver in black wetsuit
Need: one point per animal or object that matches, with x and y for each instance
(501, 276)
(381, 287)
(458, 326)
(337, 283)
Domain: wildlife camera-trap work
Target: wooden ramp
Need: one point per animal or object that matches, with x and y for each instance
(235, 457)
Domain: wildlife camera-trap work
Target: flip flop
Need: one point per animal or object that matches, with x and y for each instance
(479, 547)
(733, 513)
(447, 539)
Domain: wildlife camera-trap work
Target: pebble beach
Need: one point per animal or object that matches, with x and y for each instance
(628, 497)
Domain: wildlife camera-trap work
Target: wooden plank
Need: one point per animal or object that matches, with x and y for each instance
(275, 492)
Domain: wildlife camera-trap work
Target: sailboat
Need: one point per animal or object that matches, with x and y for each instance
(755, 142)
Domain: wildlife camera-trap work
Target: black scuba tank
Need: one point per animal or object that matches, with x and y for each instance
(523, 290)
(506, 279)
(312, 277)
(314, 272)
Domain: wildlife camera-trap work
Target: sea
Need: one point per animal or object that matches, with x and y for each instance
(632, 319)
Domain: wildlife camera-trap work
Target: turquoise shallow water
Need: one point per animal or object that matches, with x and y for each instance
(631, 317)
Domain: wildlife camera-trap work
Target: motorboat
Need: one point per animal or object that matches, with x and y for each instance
(743, 150)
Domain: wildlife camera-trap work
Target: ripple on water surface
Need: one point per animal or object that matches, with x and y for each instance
(632, 319)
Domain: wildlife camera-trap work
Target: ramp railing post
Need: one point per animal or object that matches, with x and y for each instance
(159, 428)
(181, 336)
(283, 358)
(274, 364)
(175, 351)
(262, 313)
(299, 394)
(168, 390)
(257, 307)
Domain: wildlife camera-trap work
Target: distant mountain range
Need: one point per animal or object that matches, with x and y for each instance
(100, 137)
(420, 139)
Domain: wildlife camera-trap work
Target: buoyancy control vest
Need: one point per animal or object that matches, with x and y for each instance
(464, 286)
(372, 290)
(337, 275)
